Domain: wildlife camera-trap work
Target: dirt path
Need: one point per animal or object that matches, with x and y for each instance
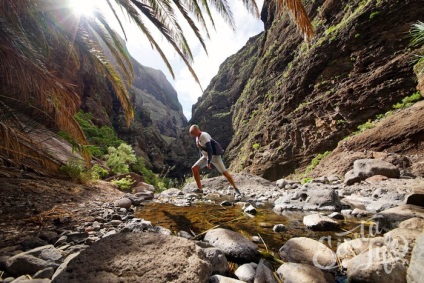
(30, 204)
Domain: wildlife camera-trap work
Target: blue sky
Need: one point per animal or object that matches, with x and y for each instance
(222, 44)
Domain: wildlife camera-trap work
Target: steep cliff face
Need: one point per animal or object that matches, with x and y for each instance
(158, 114)
(299, 100)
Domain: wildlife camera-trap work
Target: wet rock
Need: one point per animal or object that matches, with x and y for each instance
(138, 257)
(376, 265)
(309, 251)
(336, 215)
(320, 222)
(415, 273)
(234, 245)
(226, 203)
(246, 272)
(279, 228)
(291, 272)
(250, 209)
(360, 212)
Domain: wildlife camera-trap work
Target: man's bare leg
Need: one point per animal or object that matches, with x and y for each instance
(231, 181)
(196, 174)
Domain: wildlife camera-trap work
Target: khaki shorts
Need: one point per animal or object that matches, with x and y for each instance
(216, 161)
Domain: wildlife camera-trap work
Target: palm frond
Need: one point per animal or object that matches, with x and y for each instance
(417, 34)
(299, 16)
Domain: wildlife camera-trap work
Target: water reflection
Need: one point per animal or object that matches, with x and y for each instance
(199, 218)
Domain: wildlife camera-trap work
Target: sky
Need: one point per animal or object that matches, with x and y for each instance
(223, 43)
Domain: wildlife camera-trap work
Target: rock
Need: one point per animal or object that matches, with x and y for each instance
(184, 234)
(351, 178)
(352, 248)
(226, 203)
(309, 197)
(223, 279)
(320, 222)
(281, 183)
(172, 192)
(77, 237)
(415, 273)
(137, 225)
(291, 272)
(123, 202)
(376, 179)
(279, 228)
(360, 212)
(246, 272)
(138, 257)
(145, 194)
(376, 265)
(365, 168)
(141, 186)
(250, 209)
(415, 199)
(45, 273)
(235, 246)
(34, 260)
(390, 218)
(218, 260)
(309, 251)
(25, 279)
(264, 272)
(336, 215)
(402, 240)
(414, 223)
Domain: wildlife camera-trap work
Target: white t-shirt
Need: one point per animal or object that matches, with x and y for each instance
(202, 140)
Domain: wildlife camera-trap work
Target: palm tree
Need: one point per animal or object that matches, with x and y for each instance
(31, 79)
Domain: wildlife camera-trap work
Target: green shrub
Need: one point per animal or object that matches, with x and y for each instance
(74, 170)
(99, 138)
(124, 183)
(408, 101)
(374, 15)
(118, 159)
(256, 146)
(316, 161)
(306, 180)
(367, 125)
(140, 167)
(96, 172)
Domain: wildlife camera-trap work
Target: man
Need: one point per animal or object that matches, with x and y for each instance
(209, 155)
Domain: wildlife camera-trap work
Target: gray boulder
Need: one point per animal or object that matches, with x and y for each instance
(376, 265)
(365, 168)
(264, 272)
(320, 222)
(349, 249)
(223, 279)
(138, 257)
(413, 224)
(234, 245)
(390, 218)
(246, 272)
(309, 251)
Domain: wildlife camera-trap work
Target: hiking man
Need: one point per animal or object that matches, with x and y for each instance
(210, 152)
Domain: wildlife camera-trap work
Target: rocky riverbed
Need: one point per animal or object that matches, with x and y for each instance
(56, 231)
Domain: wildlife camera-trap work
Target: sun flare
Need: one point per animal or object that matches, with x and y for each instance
(83, 7)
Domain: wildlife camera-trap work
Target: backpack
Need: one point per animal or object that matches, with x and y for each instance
(217, 148)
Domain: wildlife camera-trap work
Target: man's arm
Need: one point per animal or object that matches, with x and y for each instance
(210, 151)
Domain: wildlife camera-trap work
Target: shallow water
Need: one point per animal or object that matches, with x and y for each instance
(199, 218)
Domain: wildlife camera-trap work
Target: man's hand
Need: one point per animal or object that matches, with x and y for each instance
(209, 166)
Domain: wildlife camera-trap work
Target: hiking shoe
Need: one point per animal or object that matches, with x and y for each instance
(237, 192)
(197, 191)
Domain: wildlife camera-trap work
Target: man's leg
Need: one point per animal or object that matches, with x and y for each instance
(196, 171)
(229, 178)
(196, 174)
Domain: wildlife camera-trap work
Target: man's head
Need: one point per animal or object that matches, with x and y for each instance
(194, 131)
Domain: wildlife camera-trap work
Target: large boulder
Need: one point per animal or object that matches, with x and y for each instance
(365, 168)
(390, 218)
(235, 246)
(320, 222)
(309, 251)
(138, 257)
(349, 249)
(313, 196)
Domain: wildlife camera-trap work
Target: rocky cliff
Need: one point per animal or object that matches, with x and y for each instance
(159, 118)
(280, 101)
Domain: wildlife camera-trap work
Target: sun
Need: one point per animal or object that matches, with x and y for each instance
(83, 7)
